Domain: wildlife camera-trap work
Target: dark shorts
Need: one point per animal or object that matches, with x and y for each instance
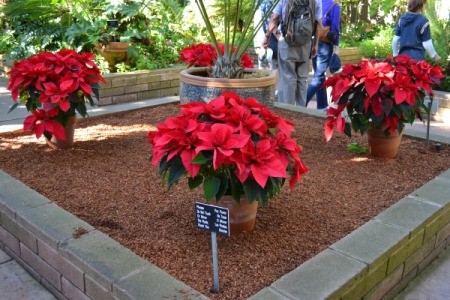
(274, 46)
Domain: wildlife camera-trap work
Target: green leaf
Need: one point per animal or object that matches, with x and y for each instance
(223, 188)
(357, 148)
(195, 182)
(13, 107)
(348, 130)
(251, 189)
(211, 187)
(163, 165)
(95, 89)
(201, 159)
(358, 101)
(81, 109)
(176, 170)
(236, 187)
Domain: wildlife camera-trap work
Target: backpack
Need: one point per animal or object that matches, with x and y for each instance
(298, 28)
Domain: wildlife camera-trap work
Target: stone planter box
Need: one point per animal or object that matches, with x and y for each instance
(377, 260)
(143, 85)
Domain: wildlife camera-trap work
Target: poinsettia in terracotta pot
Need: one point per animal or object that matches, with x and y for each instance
(53, 87)
(234, 148)
(379, 97)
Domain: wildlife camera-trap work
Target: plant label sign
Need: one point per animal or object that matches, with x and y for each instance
(212, 218)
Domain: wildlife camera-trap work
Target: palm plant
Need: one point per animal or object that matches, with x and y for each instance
(228, 64)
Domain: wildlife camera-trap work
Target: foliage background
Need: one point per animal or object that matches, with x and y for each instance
(159, 29)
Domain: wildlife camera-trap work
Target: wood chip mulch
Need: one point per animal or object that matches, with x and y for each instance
(107, 181)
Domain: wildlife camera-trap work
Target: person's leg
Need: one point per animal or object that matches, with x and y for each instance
(312, 87)
(302, 71)
(323, 59)
(287, 75)
(302, 83)
(274, 65)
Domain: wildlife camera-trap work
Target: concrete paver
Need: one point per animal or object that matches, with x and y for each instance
(16, 283)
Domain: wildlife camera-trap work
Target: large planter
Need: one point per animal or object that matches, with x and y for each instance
(113, 52)
(69, 129)
(381, 145)
(242, 215)
(196, 86)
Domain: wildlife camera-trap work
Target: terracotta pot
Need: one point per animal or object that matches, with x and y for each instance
(69, 129)
(113, 52)
(242, 215)
(381, 145)
(196, 86)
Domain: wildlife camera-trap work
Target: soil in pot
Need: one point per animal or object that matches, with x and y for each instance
(106, 180)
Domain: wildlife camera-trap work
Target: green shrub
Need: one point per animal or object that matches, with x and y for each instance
(378, 47)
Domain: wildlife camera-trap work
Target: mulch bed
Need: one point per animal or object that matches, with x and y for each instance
(107, 181)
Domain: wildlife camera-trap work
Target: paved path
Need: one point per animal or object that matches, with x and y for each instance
(15, 283)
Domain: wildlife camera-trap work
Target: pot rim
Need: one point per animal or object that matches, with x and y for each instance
(188, 76)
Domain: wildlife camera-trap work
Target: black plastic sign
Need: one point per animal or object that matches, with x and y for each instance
(212, 218)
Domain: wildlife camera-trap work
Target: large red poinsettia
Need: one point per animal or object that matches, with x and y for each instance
(54, 86)
(204, 55)
(381, 94)
(231, 146)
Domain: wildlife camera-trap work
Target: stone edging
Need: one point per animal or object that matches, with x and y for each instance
(378, 259)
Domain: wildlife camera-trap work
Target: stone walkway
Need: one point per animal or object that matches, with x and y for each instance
(16, 283)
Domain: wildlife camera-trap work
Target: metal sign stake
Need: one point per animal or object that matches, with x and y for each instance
(428, 121)
(214, 219)
(215, 262)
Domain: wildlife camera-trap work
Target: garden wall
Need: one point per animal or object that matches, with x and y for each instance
(4, 68)
(140, 85)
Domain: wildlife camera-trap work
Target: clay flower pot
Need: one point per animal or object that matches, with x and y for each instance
(69, 129)
(195, 85)
(381, 145)
(242, 215)
(113, 52)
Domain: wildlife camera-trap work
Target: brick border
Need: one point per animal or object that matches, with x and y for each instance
(378, 259)
(140, 85)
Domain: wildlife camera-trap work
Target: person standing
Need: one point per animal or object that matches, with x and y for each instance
(412, 34)
(331, 17)
(293, 61)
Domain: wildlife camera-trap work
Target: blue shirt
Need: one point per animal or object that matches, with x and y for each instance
(413, 29)
(265, 6)
(333, 17)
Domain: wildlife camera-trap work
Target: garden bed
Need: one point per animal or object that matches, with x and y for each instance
(107, 181)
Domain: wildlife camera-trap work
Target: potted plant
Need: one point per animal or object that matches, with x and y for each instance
(238, 150)
(379, 97)
(53, 87)
(228, 72)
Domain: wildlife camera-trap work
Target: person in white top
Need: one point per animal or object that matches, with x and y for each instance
(293, 61)
(412, 34)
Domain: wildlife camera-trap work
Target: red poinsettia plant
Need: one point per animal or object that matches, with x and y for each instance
(53, 87)
(380, 94)
(230, 145)
(204, 55)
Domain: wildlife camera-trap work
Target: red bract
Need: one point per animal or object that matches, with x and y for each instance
(231, 146)
(380, 94)
(63, 80)
(204, 55)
